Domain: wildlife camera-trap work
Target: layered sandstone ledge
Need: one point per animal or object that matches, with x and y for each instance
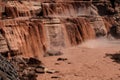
(32, 28)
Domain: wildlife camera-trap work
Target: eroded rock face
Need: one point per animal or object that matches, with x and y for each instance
(4, 47)
(14, 9)
(23, 37)
(72, 9)
(45, 26)
(79, 30)
(31, 29)
(33, 38)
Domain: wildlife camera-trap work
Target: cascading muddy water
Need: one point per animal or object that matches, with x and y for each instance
(66, 9)
(33, 29)
(78, 30)
(48, 26)
(24, 37)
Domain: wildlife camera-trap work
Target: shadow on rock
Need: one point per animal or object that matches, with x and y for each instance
(115, 57)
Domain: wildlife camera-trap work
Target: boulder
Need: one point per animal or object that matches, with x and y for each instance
(55, 77)
(115, 31)
(34, 62)
(52, 53)
(39, 70)
(62, 59)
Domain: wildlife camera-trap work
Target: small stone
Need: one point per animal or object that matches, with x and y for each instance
(118, 76)
(69, 63)
(32, 76)
(34, 62)
(57, 63)
(62, 59)
(51, 71)
(22, 65)
(55, 77)
(32, 72)
(76, 75)
(57, 71)
(30, 68)
(25, 72)
(52, 53)
(39, 70)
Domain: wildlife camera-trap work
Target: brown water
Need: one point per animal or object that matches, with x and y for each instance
(60, 26)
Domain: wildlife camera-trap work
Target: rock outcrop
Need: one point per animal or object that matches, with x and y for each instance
(7, 70)
(27, 68)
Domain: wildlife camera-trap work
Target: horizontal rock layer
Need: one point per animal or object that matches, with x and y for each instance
(31, 28)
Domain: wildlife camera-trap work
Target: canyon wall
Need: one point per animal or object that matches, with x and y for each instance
(33, 28)
(33, 38)
(22, 37)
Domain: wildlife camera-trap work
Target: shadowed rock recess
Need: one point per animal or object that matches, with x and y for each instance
(37, 28)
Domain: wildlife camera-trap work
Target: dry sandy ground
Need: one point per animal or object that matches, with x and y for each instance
(85, 62)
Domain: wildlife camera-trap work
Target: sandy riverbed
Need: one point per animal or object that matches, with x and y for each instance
(85, 62)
